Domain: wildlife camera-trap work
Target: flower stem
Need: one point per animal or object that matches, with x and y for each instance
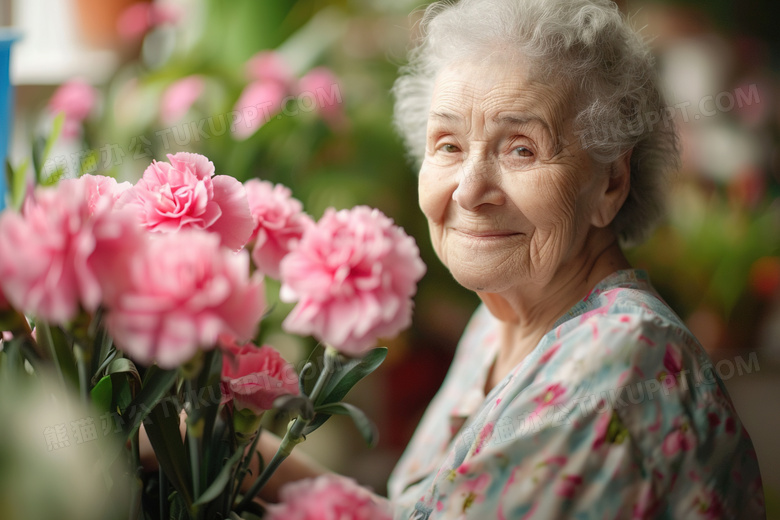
(136, 501)
(81, 365)
(294, 433)
(243, 467)
(44, 328)
(163, 492)
(194, 451)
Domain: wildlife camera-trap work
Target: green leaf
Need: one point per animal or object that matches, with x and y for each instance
(54, 341)
(102, 394)
(17, 182)
(57, 124)
(305, 382)
(38, 146)
(9, 177)
(178, 508)
(112, 392)
(221, 481)
(87, 163)
(125, 366)
(123, 395)
(102, 345)
(162, 428)
(364, 425)
(202, 413)
(19, 186)
(13, 362)
(311, 371)
(156, 384)
(42, 148)
(349, 374)
(54, 177)
(295, 405)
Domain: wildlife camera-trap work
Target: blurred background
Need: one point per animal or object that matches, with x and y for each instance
(138, 80)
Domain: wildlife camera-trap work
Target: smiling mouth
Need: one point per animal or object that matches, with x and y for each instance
(497, 233)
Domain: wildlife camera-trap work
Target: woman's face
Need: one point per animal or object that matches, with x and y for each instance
(508, 191)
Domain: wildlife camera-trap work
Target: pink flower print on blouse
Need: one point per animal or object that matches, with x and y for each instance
(552, 395)
(681, 439)
(474, 490)
(600, 429)
(608, 429)
(484, 437)
(567, 486)
(602, 310)
(550, 353)
(672, 366)
(708, 505)
(647, 505)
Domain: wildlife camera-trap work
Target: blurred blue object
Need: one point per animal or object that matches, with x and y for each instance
(7, 38)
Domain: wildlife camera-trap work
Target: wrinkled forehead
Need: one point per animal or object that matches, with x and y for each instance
(484, 90)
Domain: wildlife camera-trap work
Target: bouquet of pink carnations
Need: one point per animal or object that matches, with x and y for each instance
(145, 299)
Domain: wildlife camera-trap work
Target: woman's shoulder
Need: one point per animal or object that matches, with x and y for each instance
(624, 320)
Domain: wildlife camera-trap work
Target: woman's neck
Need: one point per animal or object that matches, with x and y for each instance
(527, 313)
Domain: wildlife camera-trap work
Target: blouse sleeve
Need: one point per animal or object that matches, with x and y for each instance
(603, 429)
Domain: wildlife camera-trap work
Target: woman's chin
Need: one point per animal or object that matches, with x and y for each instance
(485, 272)
(483, 279)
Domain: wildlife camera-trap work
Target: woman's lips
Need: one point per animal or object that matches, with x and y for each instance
(493, 233)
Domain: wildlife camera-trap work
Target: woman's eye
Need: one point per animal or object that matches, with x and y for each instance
(522, 151)
(449, 148)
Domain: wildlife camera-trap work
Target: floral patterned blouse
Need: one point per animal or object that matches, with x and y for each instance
(617, 413)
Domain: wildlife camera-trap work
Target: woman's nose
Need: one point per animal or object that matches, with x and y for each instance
(479, 183)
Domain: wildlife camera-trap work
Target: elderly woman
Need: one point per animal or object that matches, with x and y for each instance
(576, 392)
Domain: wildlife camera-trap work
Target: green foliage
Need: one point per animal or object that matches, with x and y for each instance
(364, 425)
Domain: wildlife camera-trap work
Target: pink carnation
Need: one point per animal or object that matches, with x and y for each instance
(323, 86)
(137, 19)
(179, 97)
(279, 223)
(353, 276)
(76, 99)
(182, 292)
(56, 251)
(101, 190)
(259, 101)
(270, 66)
(184, 194)
(253, 377)
(329, 497)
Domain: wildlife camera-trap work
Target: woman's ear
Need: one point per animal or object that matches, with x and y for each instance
(615, 191)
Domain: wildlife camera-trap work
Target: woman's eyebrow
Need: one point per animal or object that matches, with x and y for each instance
(520, 120)
(527, 120)
(445, 116)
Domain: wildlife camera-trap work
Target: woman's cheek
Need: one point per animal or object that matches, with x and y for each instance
(435, 193)
(552, 200)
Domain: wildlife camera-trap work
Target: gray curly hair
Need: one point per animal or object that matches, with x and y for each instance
(585, 44)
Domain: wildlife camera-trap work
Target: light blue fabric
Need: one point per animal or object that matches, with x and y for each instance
(617, 413)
